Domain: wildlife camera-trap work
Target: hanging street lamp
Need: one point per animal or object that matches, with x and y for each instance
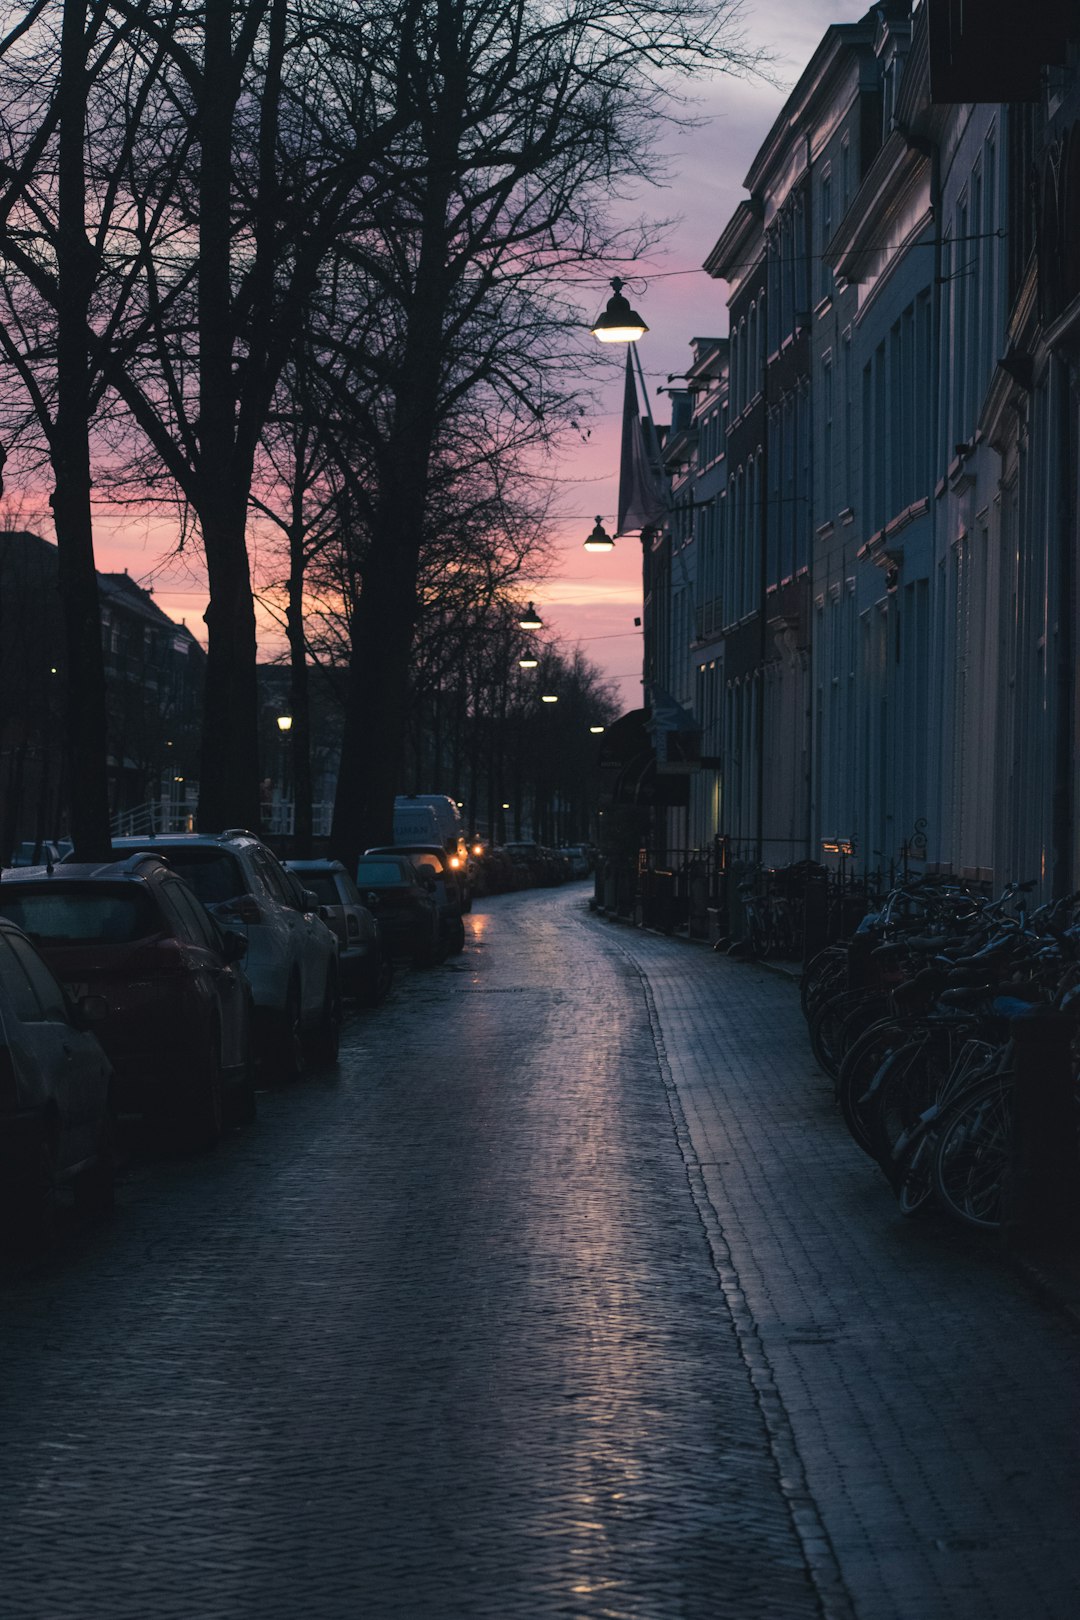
(549, 697)
(598, 539)
(527, 661)
(619, 323)
(530, 619)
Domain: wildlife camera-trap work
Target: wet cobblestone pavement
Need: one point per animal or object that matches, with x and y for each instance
(565, 1294)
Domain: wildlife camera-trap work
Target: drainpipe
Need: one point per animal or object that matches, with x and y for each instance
(763, 640)
(931, 150)
(1064, 673)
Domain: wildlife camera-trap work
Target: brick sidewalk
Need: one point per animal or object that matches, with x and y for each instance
(931, 1399)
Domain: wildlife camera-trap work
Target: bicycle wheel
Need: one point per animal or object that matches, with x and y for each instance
(827, 969)
(857, 1070)
(827, 1026)
(903, 1088)
(914, 1182)
(971, 1155)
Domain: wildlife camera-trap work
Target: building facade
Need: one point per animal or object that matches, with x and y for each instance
(885, 618)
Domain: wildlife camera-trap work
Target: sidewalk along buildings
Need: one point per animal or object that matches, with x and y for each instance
(863, 596)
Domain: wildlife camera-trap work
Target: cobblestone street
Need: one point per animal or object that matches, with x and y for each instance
(564, 1294)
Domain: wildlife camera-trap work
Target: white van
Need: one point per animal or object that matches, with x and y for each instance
(438, 812)
(415, 823)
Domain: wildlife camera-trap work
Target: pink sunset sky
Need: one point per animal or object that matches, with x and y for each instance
(588, 600)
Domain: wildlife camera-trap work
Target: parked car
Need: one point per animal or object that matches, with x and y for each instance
(292, 957)
(56, 1097)
(433, 820)
(365, 963)
(39, 852)
(405, 905)
(449, 886)
(578, 857)
(177, 1009)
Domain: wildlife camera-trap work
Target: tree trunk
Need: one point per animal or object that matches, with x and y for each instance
(70, 452)
(373, 743)
(299, 698)
(229, 769)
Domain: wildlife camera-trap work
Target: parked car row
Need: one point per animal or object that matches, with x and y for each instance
(154, 983)
(497, 868)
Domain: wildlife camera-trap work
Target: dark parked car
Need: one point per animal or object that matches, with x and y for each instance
(365, 962)
(449, 886)
(405, 905)
(292, 956)
(177, 1024)
(55, 1089)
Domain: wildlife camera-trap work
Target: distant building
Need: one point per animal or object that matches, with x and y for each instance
(154, 675)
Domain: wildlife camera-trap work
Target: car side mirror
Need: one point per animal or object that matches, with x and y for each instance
(233, 944)
(311, 900)
(88, 1011)
(372, 901)
(427, 878)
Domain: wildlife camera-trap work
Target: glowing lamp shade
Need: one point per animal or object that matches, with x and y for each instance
(598, 539)
(530, 619)
(619, 323)
(596, 730)
(528, 662)
(549, 697)
(284, 722)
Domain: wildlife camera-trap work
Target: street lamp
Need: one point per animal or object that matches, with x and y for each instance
(284, 725)
(596, 730)
(530, 619)
(599, 539)
(619, 323)
(549, 697)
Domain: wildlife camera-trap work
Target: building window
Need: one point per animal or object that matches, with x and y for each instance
(826, 281)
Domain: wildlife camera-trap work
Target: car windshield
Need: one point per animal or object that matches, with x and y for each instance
(321, 884)
(432, 862)
(214, 874)
(379, 874)
(90, 913)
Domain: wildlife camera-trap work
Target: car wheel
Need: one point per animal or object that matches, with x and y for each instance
(375, 989)
(244, 1105)
(94, 1188)
(432, 952)
(288, 1055)
(457, 937)
(32, 1195)
(327, 1040)
(206, 1115)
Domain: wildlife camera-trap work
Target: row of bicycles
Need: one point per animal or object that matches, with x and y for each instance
(923, 1019)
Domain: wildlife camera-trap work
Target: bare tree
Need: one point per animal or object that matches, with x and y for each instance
(524, 121)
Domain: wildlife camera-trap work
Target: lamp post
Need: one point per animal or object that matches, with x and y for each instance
(284, 725)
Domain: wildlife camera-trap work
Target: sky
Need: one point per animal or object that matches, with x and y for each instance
(589, 600)
(593, 599)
